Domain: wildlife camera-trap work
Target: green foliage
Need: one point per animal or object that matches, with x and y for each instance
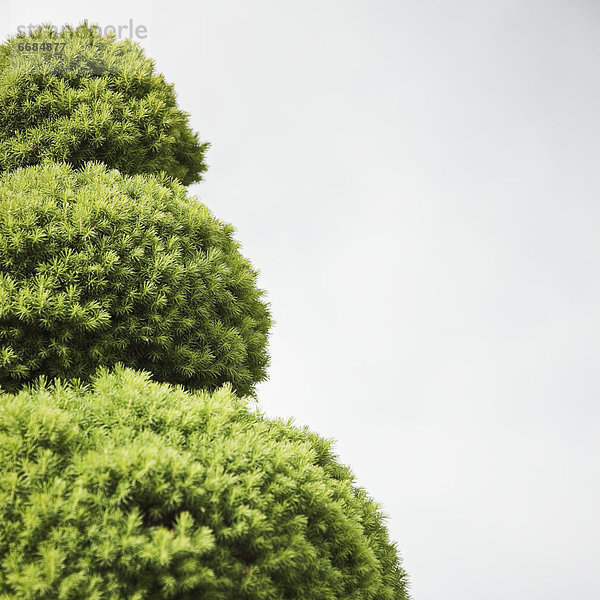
(98, 268)
(113, 485)
(91, 97)
(127, 488)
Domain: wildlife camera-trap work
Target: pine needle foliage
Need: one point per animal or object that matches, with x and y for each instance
(132, 331)
(98, 268)
(91, 97)
(127, 488)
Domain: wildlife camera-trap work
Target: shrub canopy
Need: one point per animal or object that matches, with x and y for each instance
(91, 97)
(128, 488)
(113, 485)
(98, 268)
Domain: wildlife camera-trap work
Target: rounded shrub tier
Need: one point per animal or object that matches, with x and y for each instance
(98, 268)
(127, 488)
(76, 95)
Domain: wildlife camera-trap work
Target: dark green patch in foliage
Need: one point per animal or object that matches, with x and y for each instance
(98, 268)
(133, 489)
(96, 98)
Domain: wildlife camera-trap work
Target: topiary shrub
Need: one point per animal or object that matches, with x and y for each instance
(113, 485)
(128, 488)
(98, 268)
(91, 97)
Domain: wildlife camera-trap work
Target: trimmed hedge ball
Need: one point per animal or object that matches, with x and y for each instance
(98, 268)
(126, 488)
(76, 96)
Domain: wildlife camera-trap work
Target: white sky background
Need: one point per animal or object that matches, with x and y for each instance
(418, 183)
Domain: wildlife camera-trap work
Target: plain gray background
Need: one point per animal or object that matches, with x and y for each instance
(418, 184)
